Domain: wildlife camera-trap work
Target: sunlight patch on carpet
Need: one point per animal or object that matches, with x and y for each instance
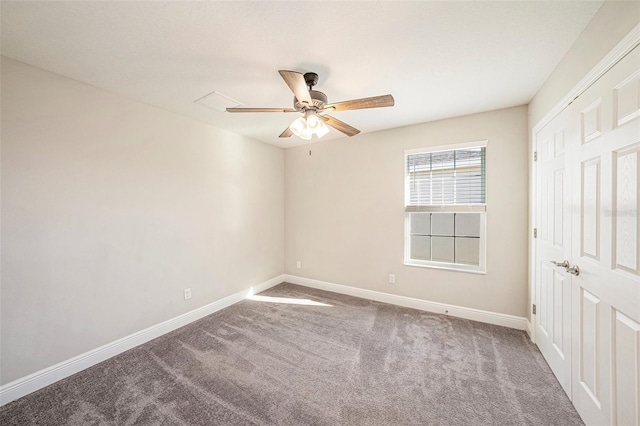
(287, 300)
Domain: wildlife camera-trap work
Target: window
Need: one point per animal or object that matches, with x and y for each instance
(445, 207)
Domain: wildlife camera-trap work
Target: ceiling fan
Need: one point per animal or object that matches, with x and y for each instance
(313, 104)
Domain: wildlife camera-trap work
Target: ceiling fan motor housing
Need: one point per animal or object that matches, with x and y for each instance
(319, 100)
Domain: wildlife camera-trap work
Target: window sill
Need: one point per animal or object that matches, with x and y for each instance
(447, 267)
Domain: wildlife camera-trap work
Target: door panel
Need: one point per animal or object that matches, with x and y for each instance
(559, 285)
(591, 122)
(590, 205)
(553, 299)
(589, 374)
(558, 208)
(625, 204)
(626, 102)
(604, 132)
(626, 353)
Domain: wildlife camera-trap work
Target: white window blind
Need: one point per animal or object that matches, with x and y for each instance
(446, 180)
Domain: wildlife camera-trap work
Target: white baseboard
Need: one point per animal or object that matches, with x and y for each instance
(495, 318)
(33, 382)
(529, 330)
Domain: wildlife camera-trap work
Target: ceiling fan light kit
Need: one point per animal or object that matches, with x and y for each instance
(305, 127)
(313, 104)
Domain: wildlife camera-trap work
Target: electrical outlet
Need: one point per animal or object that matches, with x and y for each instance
(299, 264)
(187, 293)
(392, 278)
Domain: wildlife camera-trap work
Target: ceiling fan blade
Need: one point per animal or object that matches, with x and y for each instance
(298, 86)
(339, 125)
(373, 102)
(261, 110)
(287, 133)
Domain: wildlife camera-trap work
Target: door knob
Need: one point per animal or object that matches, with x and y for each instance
(564, 264)
(574, 270)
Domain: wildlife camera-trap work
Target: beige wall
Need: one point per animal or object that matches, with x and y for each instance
(345, 212)
(614, 20)
(110, 208)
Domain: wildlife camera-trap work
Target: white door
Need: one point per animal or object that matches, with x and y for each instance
(553, 288)
(599, 160)
(604, 157)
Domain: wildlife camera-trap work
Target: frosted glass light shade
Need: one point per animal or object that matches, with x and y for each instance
(298, 126)
(306, 134)
(322, 129)
(313, 122)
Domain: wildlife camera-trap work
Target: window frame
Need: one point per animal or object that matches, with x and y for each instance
(462, 208)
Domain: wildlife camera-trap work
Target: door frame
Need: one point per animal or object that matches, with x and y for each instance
(626, 45)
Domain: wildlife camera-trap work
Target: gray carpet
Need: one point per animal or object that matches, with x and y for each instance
(354, 362)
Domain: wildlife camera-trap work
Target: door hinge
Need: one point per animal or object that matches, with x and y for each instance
(535, 232)
(535, 156)
(534, 309)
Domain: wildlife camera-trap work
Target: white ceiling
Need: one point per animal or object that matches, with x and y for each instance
(438, 59)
